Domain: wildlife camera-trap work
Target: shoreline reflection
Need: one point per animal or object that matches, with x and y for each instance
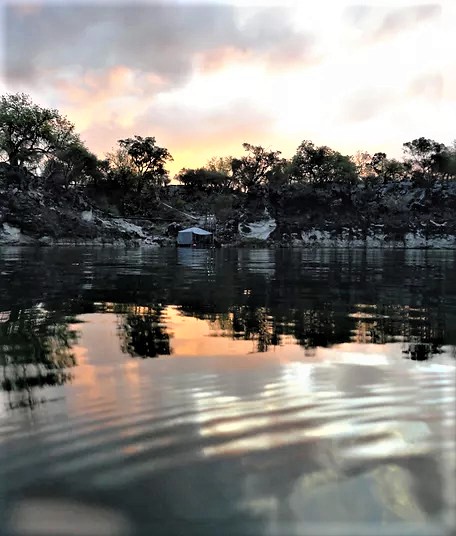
(170, 303)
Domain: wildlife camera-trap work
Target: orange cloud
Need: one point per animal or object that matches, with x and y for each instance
(192, 137)
(114, 96)
(292, 55)
(216, 59)
(102, 85)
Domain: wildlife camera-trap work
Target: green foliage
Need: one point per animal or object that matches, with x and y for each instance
(252, 171)
(38, 147)
(394, 170)
(202, 180)
(428, 160)
(223, 206)
(378, 163)
(421, 154)
(146, 161)
(224, 166)
(134, 174)
(15, 176)
(220, 164)
(30, 133)
(362, 161)
(73, 165)
(320, 165)
(444, 162)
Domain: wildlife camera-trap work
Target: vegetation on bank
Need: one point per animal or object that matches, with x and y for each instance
(47, 175)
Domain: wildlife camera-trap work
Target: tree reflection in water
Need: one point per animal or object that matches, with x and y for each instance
(35, 351)
(248, 323)
(142, 330)
(312, 299)
(421, 331)
(255, 323)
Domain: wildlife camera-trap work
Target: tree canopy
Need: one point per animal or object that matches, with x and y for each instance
(254, 169)
(203, 180)
(319, 165)
(141, 162)
(29, 132)
(146, 158)
(39, 147)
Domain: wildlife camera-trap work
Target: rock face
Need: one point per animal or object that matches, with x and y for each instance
(32, 217)
(391, 216)
(260, 230)
(87, 215)
(12, 235)
(374, 239)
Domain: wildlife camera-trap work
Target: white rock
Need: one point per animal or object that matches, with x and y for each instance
(259, 230)
(87, 215)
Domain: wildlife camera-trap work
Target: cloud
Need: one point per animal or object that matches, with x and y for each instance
(377, 23)
(357, 15)
(216, 59)
(429, 86)
(240, 120)
(205, 78)
(403, 18)
(164, 39)
(106, 93)
(270, 34)
(367, 103)
(192, 136)
(119, 70)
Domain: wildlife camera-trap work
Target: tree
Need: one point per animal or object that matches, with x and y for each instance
(444, 162)
(278, 186)
(220, 164)
(201, 180)
(119, 163)
(422, 154)
(377, 163)
(224, 166)
(253, 170)
(319, 165)
(394, 170)
(146, 160)
(73, 165)
(29, 133)
(362, 161)
(136, 173)
(387, 169)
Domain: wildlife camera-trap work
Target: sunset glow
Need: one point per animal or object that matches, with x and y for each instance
(204, 78)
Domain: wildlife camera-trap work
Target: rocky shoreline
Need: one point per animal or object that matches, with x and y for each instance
(136, 236)
(33, 218)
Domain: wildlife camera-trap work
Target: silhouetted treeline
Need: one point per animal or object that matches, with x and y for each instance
(40, 150)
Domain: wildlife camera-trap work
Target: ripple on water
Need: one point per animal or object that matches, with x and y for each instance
(279, 443)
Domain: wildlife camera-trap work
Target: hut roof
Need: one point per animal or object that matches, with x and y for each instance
(195, 230)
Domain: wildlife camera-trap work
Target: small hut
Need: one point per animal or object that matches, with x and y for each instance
(194, 236)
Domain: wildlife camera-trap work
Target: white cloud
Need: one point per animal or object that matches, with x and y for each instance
(370, 75)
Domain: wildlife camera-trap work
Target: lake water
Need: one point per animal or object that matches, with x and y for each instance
(172, 391)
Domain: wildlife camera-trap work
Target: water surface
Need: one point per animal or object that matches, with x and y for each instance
(228, 391)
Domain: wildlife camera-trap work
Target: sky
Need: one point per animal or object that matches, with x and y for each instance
(203, 78)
